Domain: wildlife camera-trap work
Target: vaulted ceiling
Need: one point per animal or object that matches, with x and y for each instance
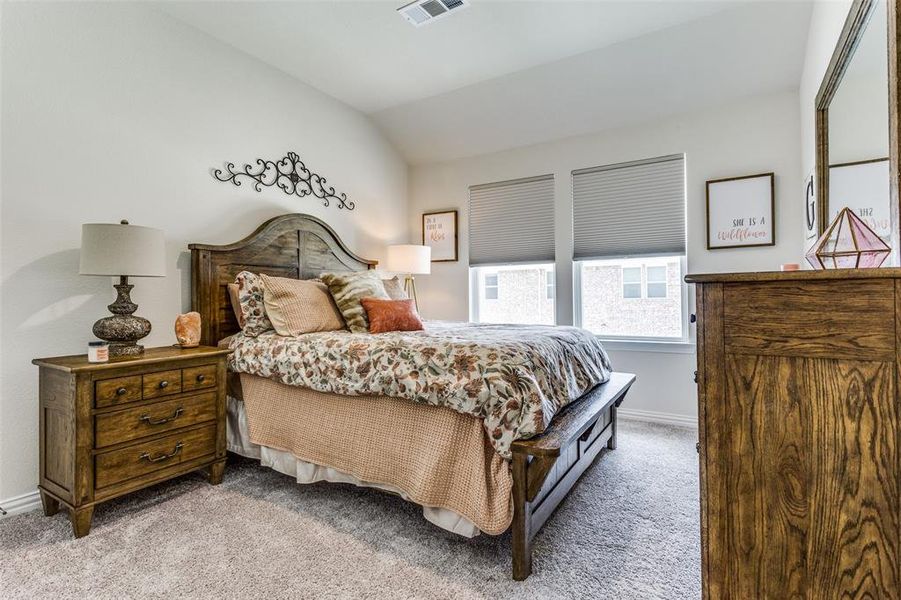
(501, 74)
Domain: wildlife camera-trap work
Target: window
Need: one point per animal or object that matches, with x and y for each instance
(631, 282)
(656, 281)
(490, 287)
(511, 251)
(513, 294)
(631, 297)
(635, 210)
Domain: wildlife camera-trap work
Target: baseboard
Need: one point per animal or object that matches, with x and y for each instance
(658, 417)
(20, 504)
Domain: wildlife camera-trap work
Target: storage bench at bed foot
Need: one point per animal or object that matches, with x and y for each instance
(546, 468)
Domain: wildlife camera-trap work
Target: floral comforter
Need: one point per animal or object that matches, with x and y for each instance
(513, 377)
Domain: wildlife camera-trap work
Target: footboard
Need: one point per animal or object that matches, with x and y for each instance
(546, 468)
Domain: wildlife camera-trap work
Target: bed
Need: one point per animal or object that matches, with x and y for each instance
(531, 478)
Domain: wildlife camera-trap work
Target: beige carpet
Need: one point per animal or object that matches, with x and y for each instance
(629, 530)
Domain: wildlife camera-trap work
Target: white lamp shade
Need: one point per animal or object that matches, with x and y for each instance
(121, 249)
(409, 258)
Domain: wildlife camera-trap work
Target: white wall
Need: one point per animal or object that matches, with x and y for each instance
(756, 135)
(116, 111)
(826, 23)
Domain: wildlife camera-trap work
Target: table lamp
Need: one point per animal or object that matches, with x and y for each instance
(122, 250)
(411, 260)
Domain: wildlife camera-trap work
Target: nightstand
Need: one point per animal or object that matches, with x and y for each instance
(108, 429)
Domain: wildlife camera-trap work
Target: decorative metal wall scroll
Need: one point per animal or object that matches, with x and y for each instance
(288, 174)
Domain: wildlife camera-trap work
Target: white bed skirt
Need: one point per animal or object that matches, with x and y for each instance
(305, 472)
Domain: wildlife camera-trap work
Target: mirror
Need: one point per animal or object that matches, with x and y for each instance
(853, 125)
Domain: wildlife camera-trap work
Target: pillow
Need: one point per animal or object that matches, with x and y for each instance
(295, 306)
(348, 289)
(250, 297)
(236, 303)
(391, 315)
(394, 288)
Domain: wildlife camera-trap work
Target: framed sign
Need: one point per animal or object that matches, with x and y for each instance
(741, 212)
(864, 188)
(439, 232)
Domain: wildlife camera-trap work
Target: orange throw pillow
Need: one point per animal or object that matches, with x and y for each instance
(391, 315)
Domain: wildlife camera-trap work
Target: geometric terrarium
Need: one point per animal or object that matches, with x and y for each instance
(848, 243)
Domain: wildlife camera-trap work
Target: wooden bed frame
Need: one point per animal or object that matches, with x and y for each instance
(545, 468)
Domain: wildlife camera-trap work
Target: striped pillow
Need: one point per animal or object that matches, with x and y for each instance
(348, 289)
(296, 306)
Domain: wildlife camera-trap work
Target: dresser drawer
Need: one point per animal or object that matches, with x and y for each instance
(126, 425)
(853, 319)
(161, 383)
(145, 458)
(110, 392)
(198, 378)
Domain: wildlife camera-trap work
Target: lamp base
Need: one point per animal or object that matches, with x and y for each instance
(122, 332)
(410, 289)
(122, 329)
(126, 349)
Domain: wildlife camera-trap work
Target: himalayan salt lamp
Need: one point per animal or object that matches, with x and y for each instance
(187, 330)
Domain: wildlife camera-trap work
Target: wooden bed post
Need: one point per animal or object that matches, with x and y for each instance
(547, 467)
(611, 443)
(522, 536)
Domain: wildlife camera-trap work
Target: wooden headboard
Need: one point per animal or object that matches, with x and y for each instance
(298, 246)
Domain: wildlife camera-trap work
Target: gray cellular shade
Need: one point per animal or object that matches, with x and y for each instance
(512, 221)
(630, 209)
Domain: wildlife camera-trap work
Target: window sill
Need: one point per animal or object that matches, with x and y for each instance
(619, 345)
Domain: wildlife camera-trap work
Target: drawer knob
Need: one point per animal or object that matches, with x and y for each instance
(693, 318)
(161, 457)
(696, 377)
(201, 378)
(164, 384)
(145, 417)
(121, 391)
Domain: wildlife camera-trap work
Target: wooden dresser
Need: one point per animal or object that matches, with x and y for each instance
(798, 378)
(108, 429)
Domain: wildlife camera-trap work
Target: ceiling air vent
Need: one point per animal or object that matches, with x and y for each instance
(425, 11)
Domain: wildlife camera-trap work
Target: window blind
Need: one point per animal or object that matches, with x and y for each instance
(512, 221)
(630, 209)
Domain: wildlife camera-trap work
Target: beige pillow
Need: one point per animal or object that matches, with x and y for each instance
(394, 288)
(297, 306)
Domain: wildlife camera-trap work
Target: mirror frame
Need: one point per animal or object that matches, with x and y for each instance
(851, 35)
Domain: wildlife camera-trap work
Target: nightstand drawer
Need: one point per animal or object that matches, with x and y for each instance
(147, 457)
(197, 378)
(126, 425)
(110, 392)
(161, 383)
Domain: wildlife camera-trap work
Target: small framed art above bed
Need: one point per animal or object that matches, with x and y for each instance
(487, 427)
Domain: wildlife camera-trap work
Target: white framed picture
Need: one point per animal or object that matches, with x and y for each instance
(864, 188)
(741, 212)
(439, 232)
